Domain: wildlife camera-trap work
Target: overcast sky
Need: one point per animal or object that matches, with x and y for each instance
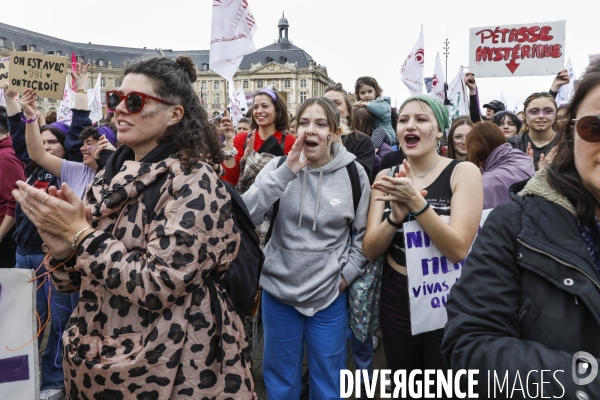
(351, 38)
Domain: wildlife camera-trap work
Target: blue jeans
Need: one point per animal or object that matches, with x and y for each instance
(362, 353)
(286, 330)
(61, 308)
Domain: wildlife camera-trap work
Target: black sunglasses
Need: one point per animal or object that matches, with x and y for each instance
(588, 128)
(134, 101)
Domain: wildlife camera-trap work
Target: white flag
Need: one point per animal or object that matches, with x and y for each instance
(233, 28)
(64, 112)
(412, 69)
(457, 94)
(437, 85)
(566, 91)
(95, 101)
(235, 106)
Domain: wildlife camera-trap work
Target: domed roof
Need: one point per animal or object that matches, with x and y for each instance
(283, 21)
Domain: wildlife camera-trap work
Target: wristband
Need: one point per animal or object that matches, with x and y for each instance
(81, 91)
(421, 211)
(28, 121)
(76, 238)
(396, 225)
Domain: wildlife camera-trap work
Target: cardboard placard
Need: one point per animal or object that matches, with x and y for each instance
(430, 278)
(4, 68)
(43, 73)
(19, 371)
(517, 50)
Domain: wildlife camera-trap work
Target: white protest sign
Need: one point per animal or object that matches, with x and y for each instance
(517, 50)
(19, 375)
(430, 278)
(95, 101)
(43, 73)
(4, 65)
(64, 112)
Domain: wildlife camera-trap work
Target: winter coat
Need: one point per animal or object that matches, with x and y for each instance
(528, 298)
(144, 326)
(317, 236)
(503, 167)
(381, 108)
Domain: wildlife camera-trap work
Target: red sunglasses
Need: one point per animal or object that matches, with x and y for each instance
(588, 128)
(134, 101)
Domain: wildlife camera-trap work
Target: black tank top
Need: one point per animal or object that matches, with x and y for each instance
(439, 195)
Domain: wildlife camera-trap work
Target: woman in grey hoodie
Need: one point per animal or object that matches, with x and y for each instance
(314, 253)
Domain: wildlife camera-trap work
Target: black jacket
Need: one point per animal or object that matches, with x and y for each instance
(528, 297)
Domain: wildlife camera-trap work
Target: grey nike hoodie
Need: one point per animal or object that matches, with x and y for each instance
(317, 237)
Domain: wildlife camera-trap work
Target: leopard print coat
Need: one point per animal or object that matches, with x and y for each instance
(144, 327)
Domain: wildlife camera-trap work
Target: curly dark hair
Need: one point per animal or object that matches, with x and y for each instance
(172, 80)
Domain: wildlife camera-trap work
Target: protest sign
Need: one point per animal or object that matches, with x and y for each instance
(43, 73)
(65, 112)
(430, 278)
(19, 376)
(4, 67)
(517, 50)
(95, 101)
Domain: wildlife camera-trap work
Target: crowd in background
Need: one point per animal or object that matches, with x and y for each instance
(125, 220)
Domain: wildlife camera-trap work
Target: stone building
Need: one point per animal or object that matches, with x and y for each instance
(282, 65)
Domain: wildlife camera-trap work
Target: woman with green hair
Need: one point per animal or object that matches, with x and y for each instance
(423, 187)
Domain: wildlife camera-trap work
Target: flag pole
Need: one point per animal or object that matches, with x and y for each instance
(446, 53)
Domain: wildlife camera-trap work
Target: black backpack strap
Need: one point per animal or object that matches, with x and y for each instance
(275, 207)
(282, 142)
(355, 181)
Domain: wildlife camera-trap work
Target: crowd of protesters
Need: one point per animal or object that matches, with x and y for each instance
(124, 221)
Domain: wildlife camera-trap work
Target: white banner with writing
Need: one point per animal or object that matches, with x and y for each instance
(233, 28)
(19, 371)
(430, 278)
(517, 50)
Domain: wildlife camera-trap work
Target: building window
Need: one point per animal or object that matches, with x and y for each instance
(203, 99)
(259, 83)
(216, 85)
(2, 42)
(287, 83)
(302, 97)
(102, 82)
(80, 59)
(101, 63)
(204, 67)
(40, 109)
(217, 100)
(203, 85)
(245, 84)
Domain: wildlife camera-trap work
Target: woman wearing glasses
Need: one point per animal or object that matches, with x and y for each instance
(529, 295)
(155, 222)
(536, 141)
(457, 138)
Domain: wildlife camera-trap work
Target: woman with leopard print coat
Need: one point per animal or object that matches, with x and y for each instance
(144, 327)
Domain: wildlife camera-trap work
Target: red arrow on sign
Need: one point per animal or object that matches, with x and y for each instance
(512, 66)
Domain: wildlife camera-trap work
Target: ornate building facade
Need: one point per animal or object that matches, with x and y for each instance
(282, 65)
